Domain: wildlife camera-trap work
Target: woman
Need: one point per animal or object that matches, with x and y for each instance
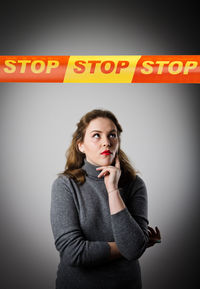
(99, 210)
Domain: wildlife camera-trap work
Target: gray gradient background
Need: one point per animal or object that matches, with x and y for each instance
(160, 122)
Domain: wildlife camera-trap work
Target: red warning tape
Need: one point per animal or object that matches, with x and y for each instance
(101, 69)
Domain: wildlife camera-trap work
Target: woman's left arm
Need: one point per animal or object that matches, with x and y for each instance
(130, 225)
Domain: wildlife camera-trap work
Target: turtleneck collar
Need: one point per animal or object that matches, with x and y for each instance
(91, 170)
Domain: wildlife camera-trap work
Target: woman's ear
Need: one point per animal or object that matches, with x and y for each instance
(81, 147)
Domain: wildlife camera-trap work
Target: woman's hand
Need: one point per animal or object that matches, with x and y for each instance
(111, 175)
(154, 236)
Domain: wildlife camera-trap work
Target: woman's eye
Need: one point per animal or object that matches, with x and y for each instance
(113, 135)
(96, 135)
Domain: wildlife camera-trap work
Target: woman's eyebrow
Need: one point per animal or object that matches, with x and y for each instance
(113, 130)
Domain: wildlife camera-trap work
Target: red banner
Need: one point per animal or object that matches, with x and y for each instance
(101, 69)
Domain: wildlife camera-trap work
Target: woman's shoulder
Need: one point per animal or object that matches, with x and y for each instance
(62, 183)
(61, 178)
(137, 185)
(139, 181)
(135, 182)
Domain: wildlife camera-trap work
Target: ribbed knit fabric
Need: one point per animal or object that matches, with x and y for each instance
(82, 227)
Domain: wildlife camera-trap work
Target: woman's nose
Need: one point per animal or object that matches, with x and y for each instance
(106, 141)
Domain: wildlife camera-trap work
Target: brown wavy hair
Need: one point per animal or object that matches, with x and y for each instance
(75, 158)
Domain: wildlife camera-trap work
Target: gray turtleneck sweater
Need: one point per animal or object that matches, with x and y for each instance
(82, 227)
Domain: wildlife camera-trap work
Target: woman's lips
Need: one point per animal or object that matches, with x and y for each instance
(106, 153)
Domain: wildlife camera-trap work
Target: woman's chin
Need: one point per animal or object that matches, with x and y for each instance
(106, 161)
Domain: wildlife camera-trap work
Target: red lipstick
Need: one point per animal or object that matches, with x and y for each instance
(107, 152)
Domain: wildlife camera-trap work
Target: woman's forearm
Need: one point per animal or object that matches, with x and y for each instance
(116, 203)
(131, 241)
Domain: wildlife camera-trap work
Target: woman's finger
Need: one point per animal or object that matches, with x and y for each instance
(158, 233)
(150, 235)
(103, 168)
(104, 172)
(117, 162)
(100, 168)
(151, 230)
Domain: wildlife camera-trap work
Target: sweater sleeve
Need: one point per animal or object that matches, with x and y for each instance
(130, 225)
(69, 240)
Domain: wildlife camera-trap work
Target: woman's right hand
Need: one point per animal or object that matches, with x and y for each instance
(154, 236)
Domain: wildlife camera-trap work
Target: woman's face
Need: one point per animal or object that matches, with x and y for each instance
(100, 136)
